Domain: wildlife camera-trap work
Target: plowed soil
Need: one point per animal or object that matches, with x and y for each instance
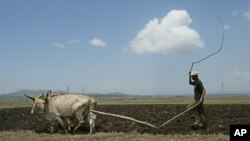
(219, 118)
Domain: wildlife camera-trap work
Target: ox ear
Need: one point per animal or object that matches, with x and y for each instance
(32, 98)
(42, 97)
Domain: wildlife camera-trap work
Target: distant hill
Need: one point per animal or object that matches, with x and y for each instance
(19, 95)
(229, 93)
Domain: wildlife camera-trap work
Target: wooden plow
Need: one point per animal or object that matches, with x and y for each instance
(167, 122)
(124, 117)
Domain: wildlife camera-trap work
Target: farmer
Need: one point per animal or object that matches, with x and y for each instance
(199, 93)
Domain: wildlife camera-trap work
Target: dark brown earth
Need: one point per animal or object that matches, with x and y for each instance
(219, 118)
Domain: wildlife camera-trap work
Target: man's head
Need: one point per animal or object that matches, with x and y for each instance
(194, 75)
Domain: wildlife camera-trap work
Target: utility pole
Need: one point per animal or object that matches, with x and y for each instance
(83, 88)
(222, 87)
(68, 89)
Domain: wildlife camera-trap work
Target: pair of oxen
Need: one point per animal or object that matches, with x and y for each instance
(61, 107)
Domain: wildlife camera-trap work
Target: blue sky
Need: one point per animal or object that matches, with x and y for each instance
(133, 47)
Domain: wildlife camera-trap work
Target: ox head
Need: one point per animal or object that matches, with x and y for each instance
(37, 103)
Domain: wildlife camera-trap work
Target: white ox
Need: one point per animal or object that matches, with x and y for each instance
(61, 107)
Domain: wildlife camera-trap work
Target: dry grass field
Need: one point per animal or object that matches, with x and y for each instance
(33, 136)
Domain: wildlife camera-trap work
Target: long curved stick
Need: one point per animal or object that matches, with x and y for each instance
(124, 117)
(221, 45)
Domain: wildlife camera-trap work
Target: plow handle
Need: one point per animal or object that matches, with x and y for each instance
(179, 115)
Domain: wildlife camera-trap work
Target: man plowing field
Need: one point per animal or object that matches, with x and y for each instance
(199, 93)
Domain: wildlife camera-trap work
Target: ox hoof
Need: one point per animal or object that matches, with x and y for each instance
(66, 131)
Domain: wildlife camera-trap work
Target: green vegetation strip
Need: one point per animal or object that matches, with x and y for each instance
(152, 100)
(5, 105)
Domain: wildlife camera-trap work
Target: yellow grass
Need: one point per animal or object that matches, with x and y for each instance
(4, 105)
(32, 136)
(177, 100)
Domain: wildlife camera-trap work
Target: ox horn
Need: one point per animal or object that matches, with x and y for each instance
(32, 98)
(48, 93)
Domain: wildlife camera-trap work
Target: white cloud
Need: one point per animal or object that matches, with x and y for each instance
(235, 13)
(247, 14)
(227, 27)
(73, 41)
(97, 42)
(58, 45)
(241, 74)
(169, 34)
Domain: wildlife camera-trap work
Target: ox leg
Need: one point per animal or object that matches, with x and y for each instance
(53, 127)
(91, 119)
(69, 123)
(62, 124)
(80, 119)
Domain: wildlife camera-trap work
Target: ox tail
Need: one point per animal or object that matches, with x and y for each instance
(124, 117)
